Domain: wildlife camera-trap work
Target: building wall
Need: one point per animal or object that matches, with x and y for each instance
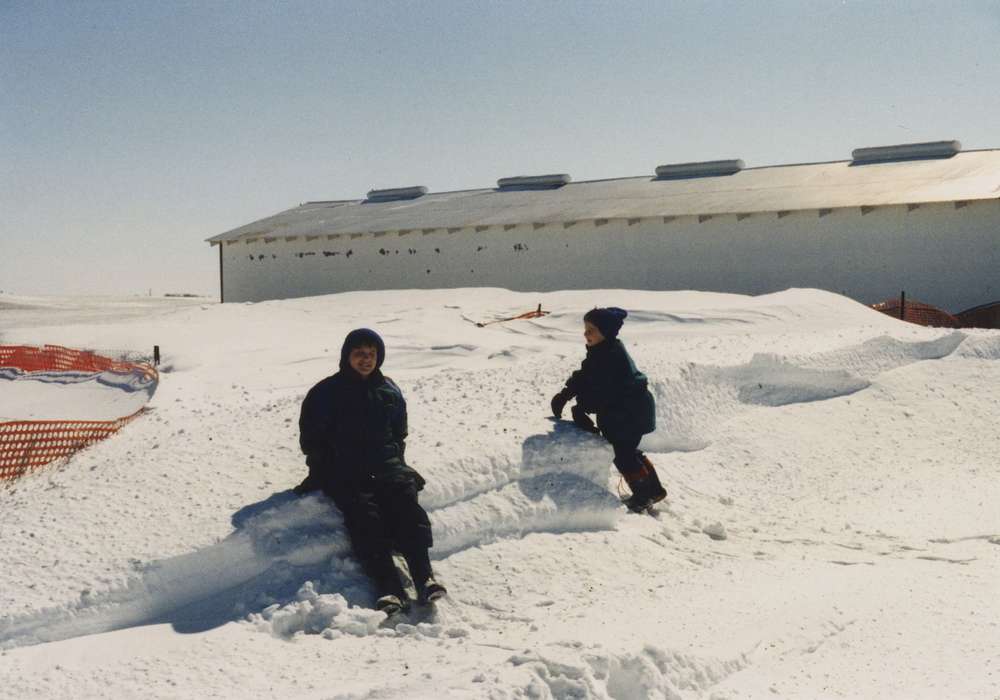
(945, 255)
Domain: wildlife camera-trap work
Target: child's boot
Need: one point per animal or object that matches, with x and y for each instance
(644, 483)
(388, 588)
(430, 590)
(419, 562)
(656, 491)
(389, 604)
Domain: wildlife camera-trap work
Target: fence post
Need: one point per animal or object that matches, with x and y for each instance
(902, 306)
(156, 355)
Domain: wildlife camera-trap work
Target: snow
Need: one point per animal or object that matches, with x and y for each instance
(832, 527)
(73, 395)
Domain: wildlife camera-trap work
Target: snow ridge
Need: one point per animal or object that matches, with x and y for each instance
(554, 492)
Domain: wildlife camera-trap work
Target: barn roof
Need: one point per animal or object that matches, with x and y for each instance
(965, 176)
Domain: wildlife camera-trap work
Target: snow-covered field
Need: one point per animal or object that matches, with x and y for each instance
(832, 527)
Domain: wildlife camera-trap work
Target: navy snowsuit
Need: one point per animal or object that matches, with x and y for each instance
(353, 432)
(609, 385)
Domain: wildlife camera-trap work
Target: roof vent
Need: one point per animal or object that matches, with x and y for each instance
(708, 168)
(906, 151)
(533, 182)
(396, 194)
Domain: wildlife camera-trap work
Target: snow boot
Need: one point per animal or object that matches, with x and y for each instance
(419, 563)
(656, 491)
(388, 588)
(645, 485)
(430, 590)
(389, 604)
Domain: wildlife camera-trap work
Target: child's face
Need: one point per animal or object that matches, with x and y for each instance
(592, 334)
(363, 359)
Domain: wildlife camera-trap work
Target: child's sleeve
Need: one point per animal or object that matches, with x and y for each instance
(308, 438)
(574, 383)
(311, 438)
(400, 428)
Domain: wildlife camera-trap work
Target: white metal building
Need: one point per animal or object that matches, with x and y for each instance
(924, 218)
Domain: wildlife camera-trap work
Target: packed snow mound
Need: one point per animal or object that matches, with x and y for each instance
(572, 672)
(327, 614)
(560, 486)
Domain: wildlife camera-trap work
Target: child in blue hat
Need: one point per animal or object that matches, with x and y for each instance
(609, 385)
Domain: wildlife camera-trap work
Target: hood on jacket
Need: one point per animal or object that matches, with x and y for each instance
(357, 338)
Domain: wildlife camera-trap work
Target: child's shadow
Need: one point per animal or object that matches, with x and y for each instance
(560, 485)
(568, 465)
(278, 543)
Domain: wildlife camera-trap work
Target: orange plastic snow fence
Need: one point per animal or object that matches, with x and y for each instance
(29, 444)
(26, 445)
(537, 313)
(55, 358)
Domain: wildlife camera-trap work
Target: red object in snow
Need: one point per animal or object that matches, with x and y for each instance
(918, 312)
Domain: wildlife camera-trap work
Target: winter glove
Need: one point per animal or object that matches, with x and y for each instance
(583, 421)
(559, 402)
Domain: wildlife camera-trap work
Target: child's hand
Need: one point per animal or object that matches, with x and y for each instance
(583, 421)
(559, 402)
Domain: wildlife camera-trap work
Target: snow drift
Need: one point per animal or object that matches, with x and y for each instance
(818, 456)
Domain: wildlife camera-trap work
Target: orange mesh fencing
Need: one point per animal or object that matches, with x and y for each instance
(918, 312)
(55, 358)
(27, 445)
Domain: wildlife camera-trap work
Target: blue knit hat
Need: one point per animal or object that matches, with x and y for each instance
(608, 320)
(357, 338)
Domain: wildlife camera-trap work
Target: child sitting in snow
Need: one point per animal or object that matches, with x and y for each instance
(609, 385)
(353, 431)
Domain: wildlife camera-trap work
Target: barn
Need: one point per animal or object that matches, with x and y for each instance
(924, 218)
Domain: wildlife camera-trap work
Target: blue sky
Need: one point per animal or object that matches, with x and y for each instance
(130, 132)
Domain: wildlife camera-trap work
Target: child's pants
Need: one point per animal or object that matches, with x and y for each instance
(627, 456)
(382, 518)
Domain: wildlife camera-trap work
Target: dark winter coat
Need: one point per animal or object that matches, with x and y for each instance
(353, 432)
(609, 385)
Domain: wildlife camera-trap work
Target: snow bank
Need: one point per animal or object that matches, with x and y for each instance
(692, 404)
(817, 454)
(560, 486)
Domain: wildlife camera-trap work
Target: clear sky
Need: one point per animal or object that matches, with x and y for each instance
(131, 131)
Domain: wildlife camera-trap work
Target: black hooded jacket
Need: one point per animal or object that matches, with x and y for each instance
(353, 430)
(609, 385)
